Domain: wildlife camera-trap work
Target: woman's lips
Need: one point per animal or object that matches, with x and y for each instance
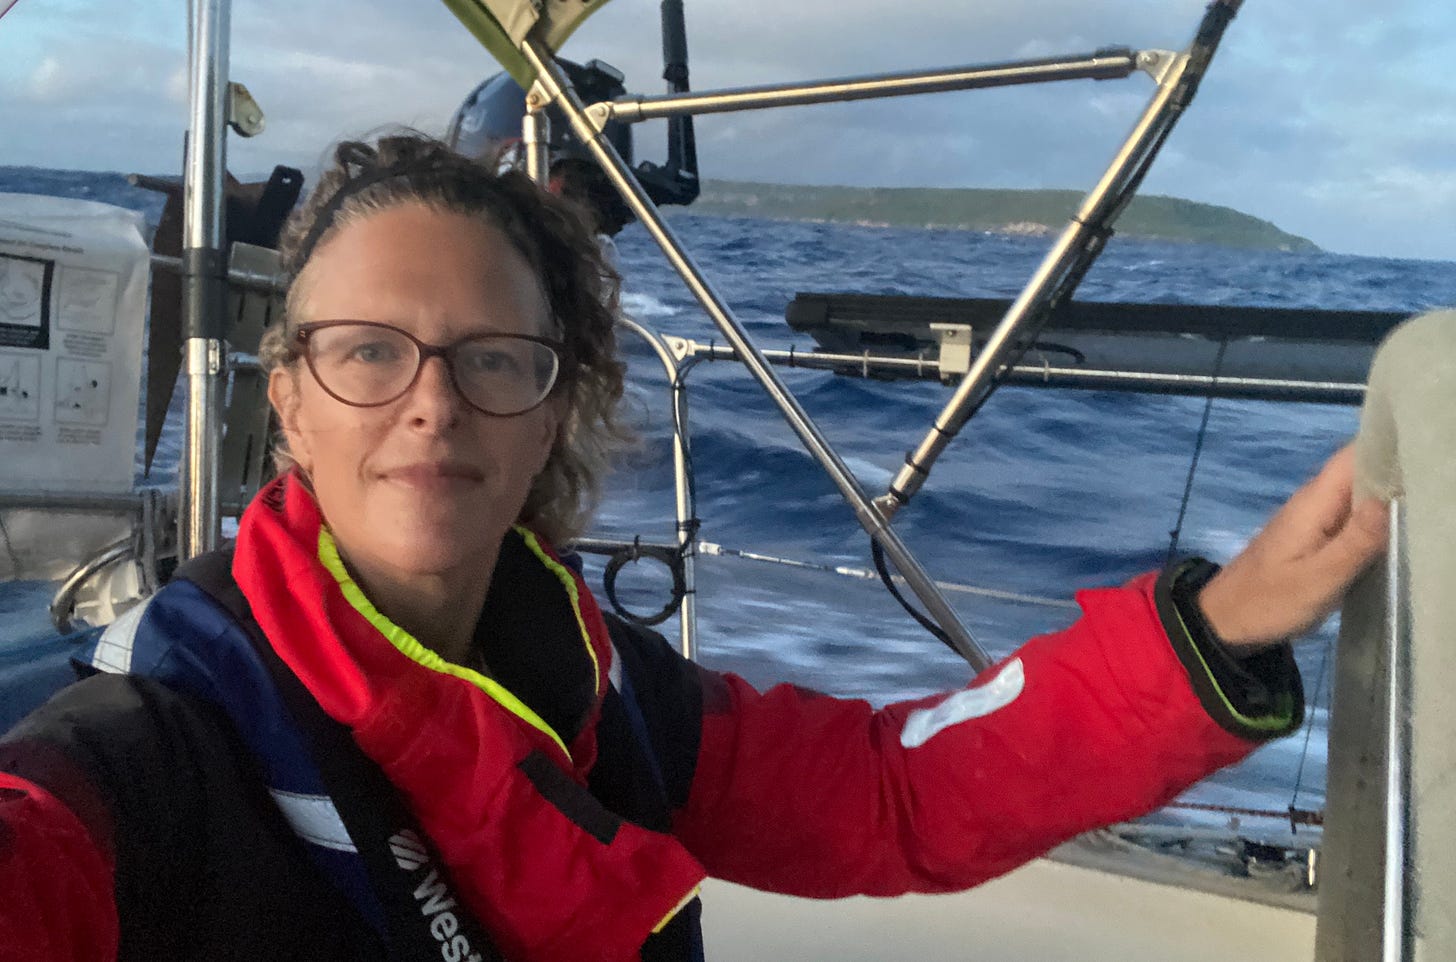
(435, 474)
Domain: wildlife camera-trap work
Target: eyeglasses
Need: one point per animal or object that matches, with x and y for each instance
(368, 364)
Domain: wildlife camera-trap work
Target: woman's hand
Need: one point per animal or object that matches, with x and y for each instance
(1295, 571)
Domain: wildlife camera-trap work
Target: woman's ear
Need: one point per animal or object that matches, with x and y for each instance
(283, 394)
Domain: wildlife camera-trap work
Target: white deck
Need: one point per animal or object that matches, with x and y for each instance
(1047, 911)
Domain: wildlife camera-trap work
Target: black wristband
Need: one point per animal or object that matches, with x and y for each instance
(1257, 696)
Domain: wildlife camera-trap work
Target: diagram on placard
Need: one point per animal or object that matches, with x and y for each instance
(19, 387)
(25, 301)
(83, 391)
(87, 300)
(22, 290)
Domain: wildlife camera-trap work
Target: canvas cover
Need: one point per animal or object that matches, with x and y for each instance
(502, 25)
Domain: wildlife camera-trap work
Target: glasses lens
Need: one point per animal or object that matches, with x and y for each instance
(362, 363)
(503, 374)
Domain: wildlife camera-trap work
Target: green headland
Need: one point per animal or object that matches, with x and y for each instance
(1030, 213)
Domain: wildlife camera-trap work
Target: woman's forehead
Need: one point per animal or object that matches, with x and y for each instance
(414, 264)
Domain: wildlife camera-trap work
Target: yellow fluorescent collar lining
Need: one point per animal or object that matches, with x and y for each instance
(409, 646)
(568, 581)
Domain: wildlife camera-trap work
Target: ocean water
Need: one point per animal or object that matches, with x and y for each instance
(1045, 492)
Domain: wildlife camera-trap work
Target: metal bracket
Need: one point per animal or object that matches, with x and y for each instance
(955, 349)
(598, 114)
(1157, 63)
(244, 115)
(682, 348)
(537, 97)
(205, 355)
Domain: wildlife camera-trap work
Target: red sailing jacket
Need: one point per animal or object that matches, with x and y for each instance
(787, 790)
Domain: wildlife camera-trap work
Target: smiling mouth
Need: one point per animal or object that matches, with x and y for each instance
(436, 474)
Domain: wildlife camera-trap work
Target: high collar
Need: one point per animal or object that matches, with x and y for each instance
(541, 632)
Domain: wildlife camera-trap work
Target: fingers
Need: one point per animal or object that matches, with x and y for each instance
(1295, 571)
(1362, 539)
(1317, 511)
(1323, 503)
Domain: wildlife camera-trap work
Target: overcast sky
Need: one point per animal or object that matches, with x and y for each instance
(1335, 120)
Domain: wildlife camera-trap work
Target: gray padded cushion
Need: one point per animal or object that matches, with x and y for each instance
(1406, 449)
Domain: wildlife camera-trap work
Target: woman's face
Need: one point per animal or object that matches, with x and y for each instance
(426, 483)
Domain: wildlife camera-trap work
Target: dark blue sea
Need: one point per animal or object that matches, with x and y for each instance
(1044, 493)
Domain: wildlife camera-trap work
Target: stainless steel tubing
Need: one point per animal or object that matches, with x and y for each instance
(608, 545)
(63, 605)
(554, 79)
(1102, 65)
(1397, 931)
(686, 538)
(1201, 385)
(67, 501)
(1053, 269)
(204, 272)
(199, 518)
(536, 136)
(252, 280)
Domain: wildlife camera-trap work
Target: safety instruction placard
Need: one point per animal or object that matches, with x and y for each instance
(73, 286)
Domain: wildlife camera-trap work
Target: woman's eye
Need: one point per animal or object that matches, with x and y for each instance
(373, 352)
(491, 362)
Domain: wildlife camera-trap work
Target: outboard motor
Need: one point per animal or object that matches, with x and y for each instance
(488, 126)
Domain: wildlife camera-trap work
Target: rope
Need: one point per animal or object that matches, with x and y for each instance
(1177, 532)
(877, 552)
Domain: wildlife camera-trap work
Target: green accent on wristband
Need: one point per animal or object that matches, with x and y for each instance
(1267, 723)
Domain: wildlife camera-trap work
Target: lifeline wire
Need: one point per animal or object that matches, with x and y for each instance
(864, 574)
(1177, 531)
(9, 545)
(1309, 727)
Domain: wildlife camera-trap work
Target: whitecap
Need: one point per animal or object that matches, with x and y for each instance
(639, 305)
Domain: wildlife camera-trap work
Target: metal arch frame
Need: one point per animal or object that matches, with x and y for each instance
(552, 78)
(1177, 76)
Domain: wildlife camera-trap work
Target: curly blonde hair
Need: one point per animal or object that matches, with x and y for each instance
(408, 167)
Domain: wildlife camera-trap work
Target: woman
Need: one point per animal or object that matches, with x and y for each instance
(391, 723)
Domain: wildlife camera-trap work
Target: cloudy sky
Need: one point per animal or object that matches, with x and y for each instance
(1334, 119)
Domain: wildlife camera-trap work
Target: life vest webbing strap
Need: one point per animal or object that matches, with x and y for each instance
(398, 856)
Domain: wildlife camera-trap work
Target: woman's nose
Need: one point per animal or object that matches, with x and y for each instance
(433, 399)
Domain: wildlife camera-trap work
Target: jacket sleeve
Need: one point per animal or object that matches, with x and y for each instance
(55, 882)
(808, 795)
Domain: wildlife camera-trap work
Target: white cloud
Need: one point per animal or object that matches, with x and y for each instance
(48, 81)
(1340, 126)
(176, 85)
